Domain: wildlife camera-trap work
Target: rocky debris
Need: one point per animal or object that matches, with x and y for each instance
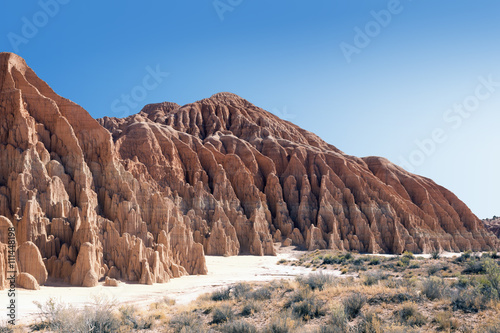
(144, 198)
(493, 225)
(27, 281)
(110, 282)
(30, 261)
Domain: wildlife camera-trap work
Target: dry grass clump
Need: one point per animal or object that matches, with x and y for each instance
(380, 294)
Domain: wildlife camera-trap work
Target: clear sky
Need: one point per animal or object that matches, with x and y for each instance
(417, 82)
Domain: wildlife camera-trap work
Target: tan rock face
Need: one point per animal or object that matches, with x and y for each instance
(144, 198)
(30, 261)
(246, 178)
(79, 214)
(27, 281)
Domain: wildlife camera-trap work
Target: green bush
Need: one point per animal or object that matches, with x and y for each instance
(238, 326)
(492, 272)
(404, 262)
(408, 254)
(353, 304)
(337, 259)
(464, 257)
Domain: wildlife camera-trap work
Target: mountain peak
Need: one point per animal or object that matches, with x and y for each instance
(225, 95)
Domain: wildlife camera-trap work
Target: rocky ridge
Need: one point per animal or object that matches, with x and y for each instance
(144, 198)
(493, 225)
(79, 215)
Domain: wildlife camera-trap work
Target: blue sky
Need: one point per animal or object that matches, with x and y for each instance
(415, 63)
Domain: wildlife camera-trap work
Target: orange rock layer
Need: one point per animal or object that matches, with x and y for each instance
(144, 198)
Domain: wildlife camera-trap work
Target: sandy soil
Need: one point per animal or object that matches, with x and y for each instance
(222, 271)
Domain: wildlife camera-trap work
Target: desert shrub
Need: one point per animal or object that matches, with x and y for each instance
(297, 296)
(464, 257)
(400, 329)
(316, 281)
(261, 294)
(408, 254)
(445, 321)
(240, 290)
(358, 261)
(186, 322)
(404, 262)
(468, 300)
(373, 277)
(221, 294)
(474, 266)
(369, 323)
(462, 282)
(409, 315)
(374, 261)
(97, 318)
(353, 304)
(281, 323)
(337, 321)
(308, 308)
(249, 308)
(5, 327)
(433, 288)
(436, 254)
(492, 326)
(167, 300)
(492, 273)
(238, 326)
(282, 261)
(342, 258)
(433, 269)
(222, 314)
(129, 317)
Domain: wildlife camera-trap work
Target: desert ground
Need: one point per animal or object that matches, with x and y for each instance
(222, 271)
(320, 291)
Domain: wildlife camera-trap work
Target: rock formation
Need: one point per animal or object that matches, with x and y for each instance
(493, 225)
(144, 198)
(79, 215)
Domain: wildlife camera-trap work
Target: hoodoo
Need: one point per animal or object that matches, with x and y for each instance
(144, 198)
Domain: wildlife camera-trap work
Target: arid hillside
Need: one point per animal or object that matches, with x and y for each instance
(145, 197)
